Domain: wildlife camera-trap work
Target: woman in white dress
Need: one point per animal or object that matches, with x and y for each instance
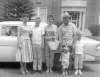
(24, 49)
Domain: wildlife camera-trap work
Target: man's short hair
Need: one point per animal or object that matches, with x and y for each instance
(50, 16)
(25, 15)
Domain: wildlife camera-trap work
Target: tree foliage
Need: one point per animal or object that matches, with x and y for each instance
(13, 9)
(95, 30)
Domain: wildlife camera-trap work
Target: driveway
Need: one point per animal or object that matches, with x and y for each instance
(90, 69)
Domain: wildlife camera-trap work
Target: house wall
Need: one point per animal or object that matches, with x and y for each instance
(54, 7)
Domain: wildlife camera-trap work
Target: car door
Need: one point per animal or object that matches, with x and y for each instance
(8, 43)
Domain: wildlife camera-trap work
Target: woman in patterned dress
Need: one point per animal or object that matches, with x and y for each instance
(24, 51)
(50, 35)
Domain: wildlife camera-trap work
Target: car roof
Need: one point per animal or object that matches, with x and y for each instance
(17, 23)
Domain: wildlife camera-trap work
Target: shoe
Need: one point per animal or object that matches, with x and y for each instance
(76, 72)
(66, 72)
(80, 72)
(63, 73)
(33, 71)
(47, 71)
(22, 71)
(26, 71)
(40, 71)
(51, 71)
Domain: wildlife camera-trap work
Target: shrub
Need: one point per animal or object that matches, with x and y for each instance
(95, 30)
(58, 23)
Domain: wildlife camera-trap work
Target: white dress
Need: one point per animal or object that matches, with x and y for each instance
(65, 59)
(25, 53)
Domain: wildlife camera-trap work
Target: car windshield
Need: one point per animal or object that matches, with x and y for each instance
(8, 30)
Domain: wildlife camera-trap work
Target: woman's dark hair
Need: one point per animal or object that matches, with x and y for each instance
(25, 15)
(50, 16)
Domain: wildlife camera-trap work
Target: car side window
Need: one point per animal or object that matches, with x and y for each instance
(8, 30)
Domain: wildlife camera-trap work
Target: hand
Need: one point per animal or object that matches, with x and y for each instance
(73, 46)
(42, 46)
(59, 59)
(48, 38)
(53, 38)
(30, 35)
(18, 46)
(84, 56)
(71, 53)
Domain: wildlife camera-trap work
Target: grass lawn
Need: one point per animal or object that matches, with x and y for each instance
(94, 37)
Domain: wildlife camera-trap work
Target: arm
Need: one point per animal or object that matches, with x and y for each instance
(84, 51)
(74, 34)
(60, 59)
(18, 34)
(56, 32)
(30, 34)
(45, 36)
(42, 41)
(43, 33)
(60, 35)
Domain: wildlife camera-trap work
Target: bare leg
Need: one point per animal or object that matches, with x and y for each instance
(63, 72)
(48, 69)
(22, 67)
(25, 68)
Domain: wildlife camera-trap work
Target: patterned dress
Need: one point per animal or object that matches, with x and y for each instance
(25, 53)
(65, 59)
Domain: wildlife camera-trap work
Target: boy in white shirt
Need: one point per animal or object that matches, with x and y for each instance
(38, 43)
(79, 48)
(64, 58)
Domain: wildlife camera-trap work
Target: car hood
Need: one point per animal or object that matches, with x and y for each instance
(89, 40)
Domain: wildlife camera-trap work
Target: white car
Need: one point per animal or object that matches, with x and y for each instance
(8, 41)
(92, 47)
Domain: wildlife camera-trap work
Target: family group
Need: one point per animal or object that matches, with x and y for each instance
(32, 40)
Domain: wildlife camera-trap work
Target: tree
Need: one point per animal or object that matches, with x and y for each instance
(14, 9)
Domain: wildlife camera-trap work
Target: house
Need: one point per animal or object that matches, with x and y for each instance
(84, 13)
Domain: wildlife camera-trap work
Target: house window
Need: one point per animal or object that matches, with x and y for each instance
(42, 13)
(8, 30)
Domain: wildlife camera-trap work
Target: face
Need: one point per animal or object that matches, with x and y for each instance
(79, 36)
(65, 50)
(50, 20)
(37, 21)
(25, 19)
(66, 20)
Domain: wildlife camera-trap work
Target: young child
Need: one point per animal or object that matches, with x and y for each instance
(64, 58)
(79, 48)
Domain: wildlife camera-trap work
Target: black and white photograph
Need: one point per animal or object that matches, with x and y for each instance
(49, 38)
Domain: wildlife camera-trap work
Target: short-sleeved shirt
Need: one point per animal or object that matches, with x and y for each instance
(37, 33)
(66, 33)
(79, 47)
